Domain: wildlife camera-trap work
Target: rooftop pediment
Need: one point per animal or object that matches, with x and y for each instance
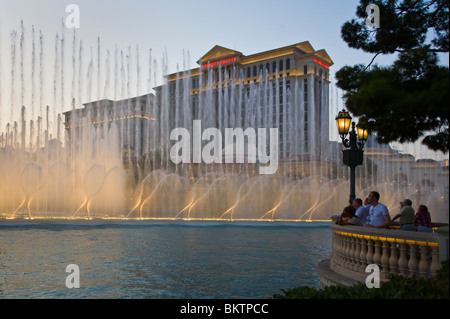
(217, 53)
(305, 47)
(324, 56)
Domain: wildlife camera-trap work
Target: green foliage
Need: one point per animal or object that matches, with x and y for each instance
(404, 25)
(398, 287)
(400, 103)
(409, 99)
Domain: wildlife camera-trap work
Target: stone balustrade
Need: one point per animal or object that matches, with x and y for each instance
(394, 251)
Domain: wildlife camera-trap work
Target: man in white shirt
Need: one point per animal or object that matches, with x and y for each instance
(378, 213)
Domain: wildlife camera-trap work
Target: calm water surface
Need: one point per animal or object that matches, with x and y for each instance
(159, 259)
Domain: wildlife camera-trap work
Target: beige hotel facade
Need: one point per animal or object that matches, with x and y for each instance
(179, 100)
(288, 71)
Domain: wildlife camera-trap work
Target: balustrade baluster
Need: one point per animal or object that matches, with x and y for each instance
(369, 256)
(393, 259)
(403, 260)
(435, 264)
(384, 257)
(412, 264)
(362, 255)
(347, 252)
(377, 253)
(423, 263)
(357, 252)
(333, 248)
(351, 253)
(337, 252)
(342, 250)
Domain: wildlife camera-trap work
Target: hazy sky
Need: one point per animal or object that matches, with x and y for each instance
(185, 30)
(195, 26)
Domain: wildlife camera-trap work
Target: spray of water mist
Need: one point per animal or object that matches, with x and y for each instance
(85, 168)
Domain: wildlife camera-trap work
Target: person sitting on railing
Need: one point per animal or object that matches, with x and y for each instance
(361, 211)
(422, 220)
(406, 216)
(348, 217)
(378, 213)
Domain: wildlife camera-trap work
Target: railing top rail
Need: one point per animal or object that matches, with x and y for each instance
(393, 235)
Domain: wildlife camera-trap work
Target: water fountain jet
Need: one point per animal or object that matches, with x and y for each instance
(104, 160)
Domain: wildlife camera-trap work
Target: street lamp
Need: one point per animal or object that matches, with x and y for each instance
(353, 156)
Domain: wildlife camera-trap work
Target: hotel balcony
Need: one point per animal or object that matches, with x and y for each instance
(394, 251)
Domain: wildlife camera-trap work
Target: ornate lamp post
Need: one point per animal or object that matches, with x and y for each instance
(353, 156)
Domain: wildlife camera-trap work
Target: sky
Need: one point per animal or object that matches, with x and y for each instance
(178, 26)
(176, 31)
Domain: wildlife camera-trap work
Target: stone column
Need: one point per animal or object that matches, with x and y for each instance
(385, 257)
(393, 260)
(423, 263)
(346, 251)
(403, 260)
(435, 264)
(362, 255)
(377, 253)
(357, 252)
(351, 254)
(412, 264)
(369, 256)
(443, 243)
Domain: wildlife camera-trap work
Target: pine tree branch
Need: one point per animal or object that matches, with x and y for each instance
(421, 49)
(368, 66)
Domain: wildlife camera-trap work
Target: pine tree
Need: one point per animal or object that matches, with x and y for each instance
(408, 99)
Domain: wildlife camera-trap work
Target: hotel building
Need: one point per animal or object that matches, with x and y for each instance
(285, 88)
(131, 116)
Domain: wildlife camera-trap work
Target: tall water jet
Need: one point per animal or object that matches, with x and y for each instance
(110, 158)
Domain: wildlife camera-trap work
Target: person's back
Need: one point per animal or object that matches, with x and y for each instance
(361, 211)
(348, 217)
(423, 220)
(406, 216)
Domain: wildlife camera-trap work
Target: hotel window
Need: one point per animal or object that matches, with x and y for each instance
(305, 69)
(288, 64)
(281, 65)
(255, 70)
(249, 72)
(268, 67)
(194, 108)
(274, 67)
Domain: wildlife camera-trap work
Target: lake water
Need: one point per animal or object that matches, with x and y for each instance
(159, 259)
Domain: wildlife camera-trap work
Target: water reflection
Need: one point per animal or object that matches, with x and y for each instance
(160, 260)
